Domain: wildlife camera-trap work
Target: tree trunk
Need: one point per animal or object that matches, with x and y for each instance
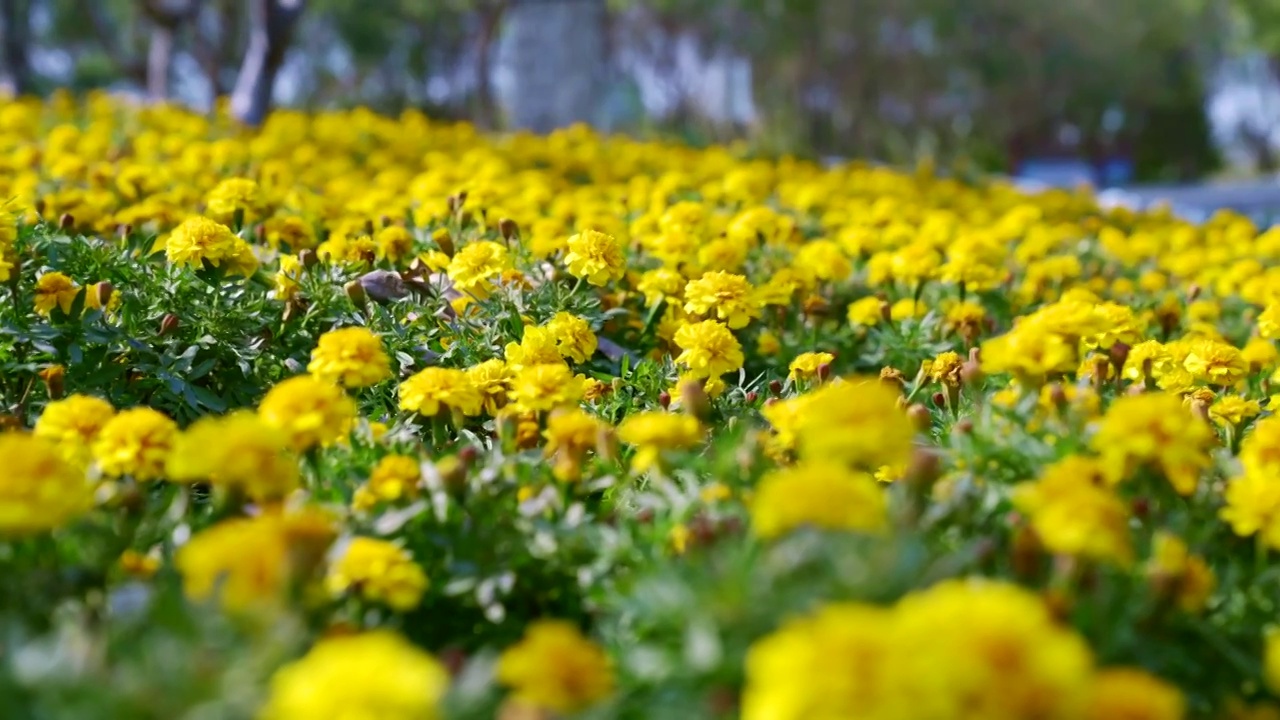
(16, 20)
(272, 24)
(159, 60)
(553, 52)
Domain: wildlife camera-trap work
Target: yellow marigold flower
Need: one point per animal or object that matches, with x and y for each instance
(856, 422)
(907, 309)
(239, 450)
(55, 289)
(248, 563)
(135, 564)
(1135, 695)
(1271, 659)
(74, 423)
(824, 260)
(491, 379)
(1175, 571)
(767, 343)
(1253, 497)
(292, 231)
(537, 346)
(433, 389)
(378, 571)
(1215, 363)
(866, 312)
(135, 442)
(555, 668)
(310, 411)
(394, 243)
(945, 369)
(653, 432)
(1153, 430)
(235, 195)
(39, 488)
(545, 387)
(570, 434)
(807, 365)
(198, 239)
(1074, 513)
(709, 349)
(1234, 411)
(817, 494)
(477, 266)
(1269, 321)
(726, 296)
(1149, 359)
(394, 478)
(661, 284)
(376, 674)
(573, 336)
(595, 257)
(352, 357)
(1260, 354)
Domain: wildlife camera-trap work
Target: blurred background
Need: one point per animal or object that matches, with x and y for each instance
(1113, 92)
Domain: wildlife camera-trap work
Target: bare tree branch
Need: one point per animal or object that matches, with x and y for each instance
(273, 22)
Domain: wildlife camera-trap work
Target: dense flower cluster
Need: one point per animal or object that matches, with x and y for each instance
(356, 416)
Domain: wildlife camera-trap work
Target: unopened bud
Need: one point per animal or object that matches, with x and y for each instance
(775, 387)
(752, 397)
(694, 400)
(444, 241)
(453, 475)
(1119, 354)
(67, 221)
(664, 399)
(886, 312)
(386, 221)
(308, 258)
(508, 228)
(923, 469)
(920, 417)
(964, 427)
(939, 400)
(124, 230)
(1058, 396)
(1193, 292)
(54, 378)
(468, 455)
(168, 324)
(356, 293)
(103, 292)
(824, 372)
(1141, 507)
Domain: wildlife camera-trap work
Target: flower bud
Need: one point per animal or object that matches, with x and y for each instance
(939, 400)
(168, 324)
(964, 427)
(920, 416)
(308, 258)
(1119, 354)
(444, 241)
(775, 387)
(508, 228)
(694, 400)
(752, 397)
(1193, 292)
(824, 372)
(67, 221)
(103, 292)
(355, 292)
(54, 378)
(664, 399)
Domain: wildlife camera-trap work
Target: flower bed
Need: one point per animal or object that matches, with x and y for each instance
(381, 417)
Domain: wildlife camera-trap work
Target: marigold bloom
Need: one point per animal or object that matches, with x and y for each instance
(199, 239)
(653, 432)
(491, 379)
(378, 571)
(536, 388)
(1234, 411)
(1075, 513)
(39, 488)
(232, 196)
(537, 346)
(433, 389)
(945, 369)
(394, 243)
(574, 339)
(807, 365)
(726, 296)
(477, 266)
(817, 494)
(239, 450)
(1185, 577)
(555, 668)
(55, 289)
(74, 423)
(856, 422)
(1215, 363)
(709, 349)
(866, 312)
(310, 411)
(394, 478)
(376, 674)
(595, 257)
(352, 357)
(1133, 694)
(1153, 430)
(570, 434)
(135, 442)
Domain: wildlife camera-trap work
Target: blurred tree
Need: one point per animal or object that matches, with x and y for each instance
(271, 31)
(15, 18)
(556, 57)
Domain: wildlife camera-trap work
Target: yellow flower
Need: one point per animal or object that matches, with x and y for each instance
(199, 239)
(710, 349)
(1234, 411)
(1133, 694)
(573, 336)
(39, 488)
(476, 267)
(239, 450)
(394, 243)
(807, 365)
(768, 343)
(1153, 430)
(907, 309)
(661, 284)
(595, 257)
(376, 674)
(1215, 363)
(235, 195)
(55, 289)
(310, 411)
(555, 668)
(945, 369)
(394, 478)
(433, 389)
(856, 422)
(1183, 576)
(818, 494)
(1260, 354)
(570, 434)
(1269, 322)
(1074, 513)
(866, 312)
(248, 563)
(491, 379)
(653, 432)
(726, 296)
(135, 442)
(1271, 659)
(352, 356)
(74, 423)
(379, 571)
(545, 387)
(537, 346)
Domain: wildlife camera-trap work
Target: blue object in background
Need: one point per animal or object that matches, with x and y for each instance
(1060, 172)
